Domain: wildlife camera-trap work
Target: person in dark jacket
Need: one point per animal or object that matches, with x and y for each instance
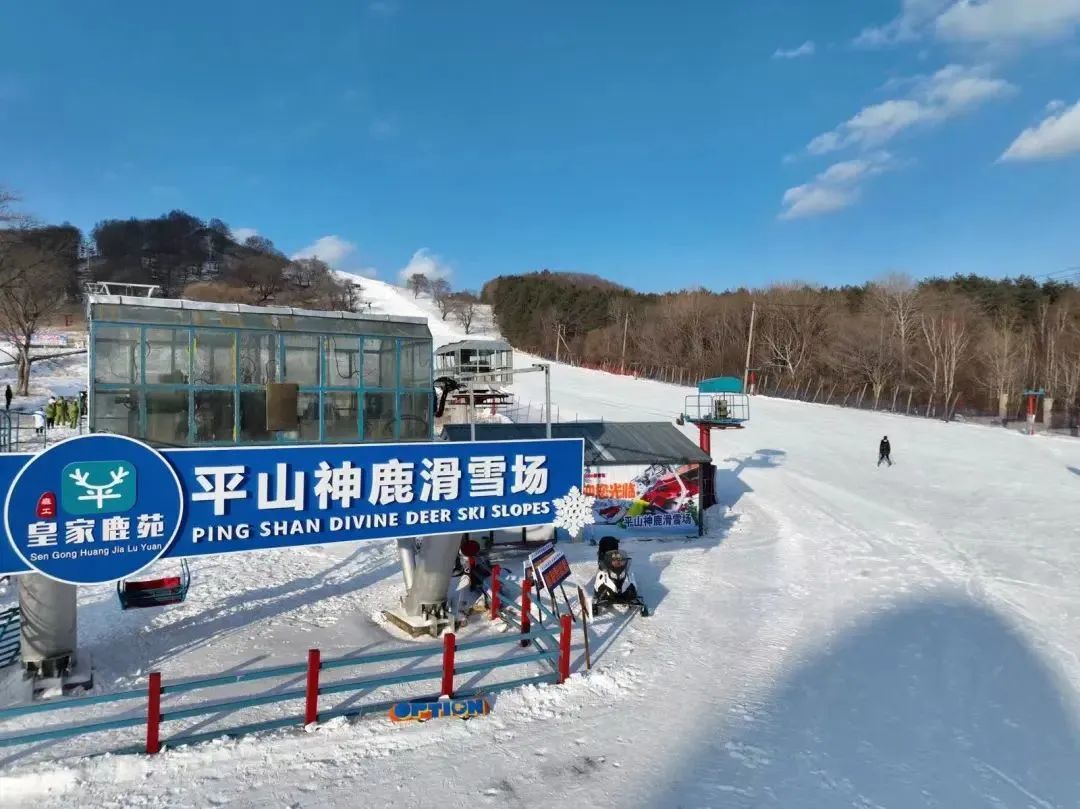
(7, 397)
(883, 451)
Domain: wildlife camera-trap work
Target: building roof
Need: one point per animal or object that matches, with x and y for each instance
(607, 443)
(176, 311)
(474, 345)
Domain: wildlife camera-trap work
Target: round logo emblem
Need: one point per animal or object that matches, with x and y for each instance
(94, 509)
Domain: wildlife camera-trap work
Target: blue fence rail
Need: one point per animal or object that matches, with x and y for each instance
(545, 647)
(9, 636)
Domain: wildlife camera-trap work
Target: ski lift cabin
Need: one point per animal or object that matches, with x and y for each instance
(179, 373)
(477, 369)
(720, 402)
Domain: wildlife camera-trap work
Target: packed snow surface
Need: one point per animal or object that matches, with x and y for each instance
(844, 635)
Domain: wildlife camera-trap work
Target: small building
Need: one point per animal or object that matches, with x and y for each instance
(466, 358)
(646, 476)
(183, 373)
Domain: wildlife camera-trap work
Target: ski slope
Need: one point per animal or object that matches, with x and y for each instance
(845, 635)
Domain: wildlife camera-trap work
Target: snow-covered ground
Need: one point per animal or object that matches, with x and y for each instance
(845, 635)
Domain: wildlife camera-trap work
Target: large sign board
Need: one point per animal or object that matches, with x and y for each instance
(99, 508)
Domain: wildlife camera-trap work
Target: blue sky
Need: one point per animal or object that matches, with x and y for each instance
(662, 145)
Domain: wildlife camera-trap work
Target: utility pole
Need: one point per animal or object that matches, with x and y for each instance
(625, 328)
(558, 340)
(749, 345)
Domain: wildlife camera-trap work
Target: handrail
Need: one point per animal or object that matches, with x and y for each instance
(70, 702)
(230, 679)
(542, 639)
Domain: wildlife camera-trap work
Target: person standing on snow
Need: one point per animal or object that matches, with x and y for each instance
(7, 397)
(71, 413)
(883, 451)
(39, 422)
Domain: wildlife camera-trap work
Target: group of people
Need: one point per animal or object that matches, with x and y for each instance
(63, 412)
(60, 412)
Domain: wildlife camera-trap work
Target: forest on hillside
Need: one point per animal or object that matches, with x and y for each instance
(965, 342)
(44, 268)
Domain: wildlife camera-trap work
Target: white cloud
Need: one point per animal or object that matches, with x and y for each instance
(331, 249)
(951, 91)
(834, 189)
(813, 199)
(1057, 135)
(1055, 105)
(992, 21)
(425, 262)
(241, 235)
(914, 16)
(986, 22)
(806, 49)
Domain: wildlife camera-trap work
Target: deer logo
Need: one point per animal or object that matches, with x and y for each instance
(98, 487)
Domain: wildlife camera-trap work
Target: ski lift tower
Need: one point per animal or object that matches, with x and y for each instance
(720, 404)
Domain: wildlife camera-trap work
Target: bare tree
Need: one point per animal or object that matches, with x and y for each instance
(263, 274)
(865, 353)
(999, 349)
(440, 293)
(794, 326)
(946, 333)
(33, 276)
(417, 283)
(897, 296)
(465, 308)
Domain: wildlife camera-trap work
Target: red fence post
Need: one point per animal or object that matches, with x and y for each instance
(448, 648)
(311, 703)
(153, 714)
(526, 609)
(496, 586)
(564, 649)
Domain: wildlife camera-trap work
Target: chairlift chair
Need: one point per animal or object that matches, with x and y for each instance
(155, 592)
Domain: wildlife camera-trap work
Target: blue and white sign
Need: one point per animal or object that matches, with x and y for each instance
(98, 508)
(115, 516)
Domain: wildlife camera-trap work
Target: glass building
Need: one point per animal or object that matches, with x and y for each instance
(469, 357)
(181, 373)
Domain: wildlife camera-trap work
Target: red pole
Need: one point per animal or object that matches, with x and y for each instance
(311, 704)
(496, 586)
(526, 609)
(153, 714)
(564, 649)
(705, 438)
(448, 647)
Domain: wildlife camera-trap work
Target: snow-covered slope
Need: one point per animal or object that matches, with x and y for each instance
(845, 635)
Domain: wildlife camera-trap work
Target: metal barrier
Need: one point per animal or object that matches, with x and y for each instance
(551, 650)
(9, 636)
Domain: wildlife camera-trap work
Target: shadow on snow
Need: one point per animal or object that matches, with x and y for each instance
(940, 703)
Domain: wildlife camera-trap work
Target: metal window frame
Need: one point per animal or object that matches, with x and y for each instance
(324, 345)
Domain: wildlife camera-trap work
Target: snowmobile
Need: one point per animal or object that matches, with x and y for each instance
(473, 561)
(614, 583)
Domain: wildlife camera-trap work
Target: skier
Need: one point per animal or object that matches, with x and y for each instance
(883, 451)
(7, 397)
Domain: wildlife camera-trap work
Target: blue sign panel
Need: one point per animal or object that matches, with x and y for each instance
(197, 502)
(115, 516)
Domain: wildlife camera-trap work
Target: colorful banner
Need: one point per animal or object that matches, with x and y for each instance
(643, 500)
(99, 508)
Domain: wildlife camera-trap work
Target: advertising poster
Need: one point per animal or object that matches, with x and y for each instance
(644, 501)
